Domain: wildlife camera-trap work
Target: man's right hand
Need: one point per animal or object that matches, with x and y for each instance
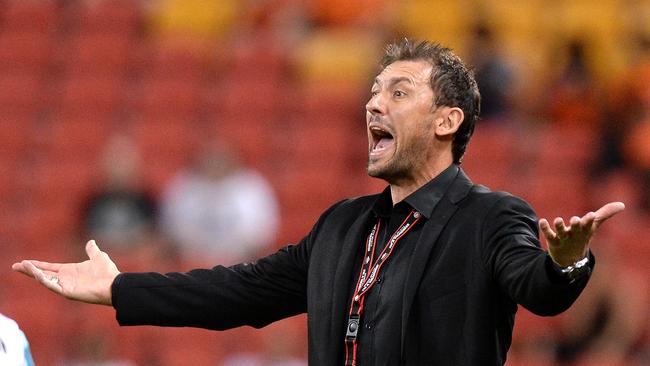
(89, 281)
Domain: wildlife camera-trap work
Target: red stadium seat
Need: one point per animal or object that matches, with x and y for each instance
(249, 99)
(89, 94)
(20, 93)
(167, 146)
(187, 346)
(98, 54)
(309, 187)
(332, 102)
(557, 195)
(31, 16)
(15, 133)
(115, 17)
(554, 153)
(168, 60)
(25, 51)
(491, 154)
(75, 132)
(170, 95)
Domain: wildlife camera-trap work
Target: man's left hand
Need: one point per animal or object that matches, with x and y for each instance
(569, 244)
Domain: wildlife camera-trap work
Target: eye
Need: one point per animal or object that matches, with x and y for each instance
(398, 93)
(374, 93)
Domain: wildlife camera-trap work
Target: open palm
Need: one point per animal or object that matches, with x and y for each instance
(568, 244)
(88, 281)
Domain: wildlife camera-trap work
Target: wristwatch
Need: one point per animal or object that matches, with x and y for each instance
(576, 269)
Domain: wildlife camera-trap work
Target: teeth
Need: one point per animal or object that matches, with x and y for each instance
(379, 133)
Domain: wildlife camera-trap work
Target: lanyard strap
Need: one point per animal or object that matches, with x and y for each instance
(367, 279)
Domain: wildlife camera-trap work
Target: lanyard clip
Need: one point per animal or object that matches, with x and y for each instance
(353, 327)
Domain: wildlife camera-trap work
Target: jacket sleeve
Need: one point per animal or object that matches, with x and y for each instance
(522, 269)
(254, 294)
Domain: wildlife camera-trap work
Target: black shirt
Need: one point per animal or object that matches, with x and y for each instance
(379, 334)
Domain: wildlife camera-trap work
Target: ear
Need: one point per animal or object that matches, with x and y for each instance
(449, 121)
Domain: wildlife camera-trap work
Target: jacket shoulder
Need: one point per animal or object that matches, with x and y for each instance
(487, 199)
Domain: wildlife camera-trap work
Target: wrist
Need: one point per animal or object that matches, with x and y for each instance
(563, 260)
(575, 269)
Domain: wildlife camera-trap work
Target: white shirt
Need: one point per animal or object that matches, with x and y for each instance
(220, 221)
(14, 348)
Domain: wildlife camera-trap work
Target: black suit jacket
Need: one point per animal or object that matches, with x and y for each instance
(478, 256)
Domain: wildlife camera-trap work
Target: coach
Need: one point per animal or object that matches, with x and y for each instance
(428, 272)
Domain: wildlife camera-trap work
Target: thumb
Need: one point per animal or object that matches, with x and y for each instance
(608, 211)
(92, 249)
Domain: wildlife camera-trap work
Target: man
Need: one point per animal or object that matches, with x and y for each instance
(429, 272)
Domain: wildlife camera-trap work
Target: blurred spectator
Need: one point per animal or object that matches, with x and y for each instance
(572, 96)
(14, 348)
(120, 213)
(219, 211)
(493, 75)
(625, 132)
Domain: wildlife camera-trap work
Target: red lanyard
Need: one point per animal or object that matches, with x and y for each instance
(367, 279)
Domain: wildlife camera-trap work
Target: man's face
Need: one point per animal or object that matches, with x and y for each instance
(400, 121)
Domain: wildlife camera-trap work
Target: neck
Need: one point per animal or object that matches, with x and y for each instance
(402, 188)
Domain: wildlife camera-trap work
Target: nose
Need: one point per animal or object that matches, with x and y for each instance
(375, 105)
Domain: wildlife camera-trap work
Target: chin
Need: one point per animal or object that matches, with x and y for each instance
(383, 172)
(376, 172)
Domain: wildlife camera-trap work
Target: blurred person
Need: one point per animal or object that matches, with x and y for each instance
(430, 271)
(14, 347)
(123, 215)
(494, 75)
(571, 97)
(625, 131)
(120, 212)
(634, 142)
(219, 210)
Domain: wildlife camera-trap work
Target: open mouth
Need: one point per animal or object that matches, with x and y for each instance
(381, 139)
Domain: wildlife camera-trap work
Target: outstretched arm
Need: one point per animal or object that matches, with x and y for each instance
(88, 281)
(569, 244)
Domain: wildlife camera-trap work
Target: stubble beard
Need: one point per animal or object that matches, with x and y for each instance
(398, 167)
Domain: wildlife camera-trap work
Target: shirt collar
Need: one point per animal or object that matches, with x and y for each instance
(423, 200)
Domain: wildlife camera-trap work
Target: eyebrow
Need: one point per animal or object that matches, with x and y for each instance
(394, 81)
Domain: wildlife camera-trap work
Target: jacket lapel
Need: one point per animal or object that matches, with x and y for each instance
(344, 275)
(441, 214)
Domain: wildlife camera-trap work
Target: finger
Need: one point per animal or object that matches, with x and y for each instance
(545, 228)
(92, 249)
(608, 211)
(574, 225)
(559, 227)
(587, 220)
(20, 267)
(42, 278)
(47, 266)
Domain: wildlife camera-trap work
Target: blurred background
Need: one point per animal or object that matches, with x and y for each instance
(159, 127)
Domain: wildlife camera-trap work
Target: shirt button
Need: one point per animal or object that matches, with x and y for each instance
(368, 325)
(379, 279)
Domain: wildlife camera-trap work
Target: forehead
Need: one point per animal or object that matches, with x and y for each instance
(416, 72)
